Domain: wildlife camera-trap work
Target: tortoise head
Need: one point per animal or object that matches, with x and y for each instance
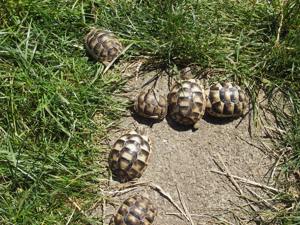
(141, 131)
(186, 73)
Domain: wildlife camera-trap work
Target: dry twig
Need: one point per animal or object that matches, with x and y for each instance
(169, 198)
(228, 174)
(271, 178)
(184, 206)
(113, 61)
(266, 203)
(277, 42)
(192, 215)
(231, 178)
(77, 207)
(253, 183)
(71, 216)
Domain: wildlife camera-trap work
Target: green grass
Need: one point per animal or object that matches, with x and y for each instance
(47, 102)
(47, 97)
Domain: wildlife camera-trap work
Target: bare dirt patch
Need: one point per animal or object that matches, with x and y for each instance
(182, 161)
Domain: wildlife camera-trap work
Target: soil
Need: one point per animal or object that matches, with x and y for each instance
(182, 161)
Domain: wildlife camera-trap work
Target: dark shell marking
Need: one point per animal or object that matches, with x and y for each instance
(151, 104)
(226, 100)
(187, 102)
(136, 210)
(129, 157)
(102, 45)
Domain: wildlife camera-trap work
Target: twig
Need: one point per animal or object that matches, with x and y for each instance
(137, 71)
(262, 199)
(108, 65)
(77, 207)
(103, 209)
(271, 178)
(95, 204)
(184, 206)
(154, 78)
(168, 197)
(124, 188)
(269, 149)
(193, 215)
(280, 24)
(251, 144)
(70, 218)
(231, 178)
(223, 220)
(237, 219)
(113, 61)
(243, 180)
(276, 129)
(115, 193)
(130, 184)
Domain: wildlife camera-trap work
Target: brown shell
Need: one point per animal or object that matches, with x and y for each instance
(136, 210)
(102, 45)
(129, 156)
(226, 100)
(151, 104)
(187, 102)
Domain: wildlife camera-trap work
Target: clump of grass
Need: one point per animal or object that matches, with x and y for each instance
(47, 97)
(47, 100)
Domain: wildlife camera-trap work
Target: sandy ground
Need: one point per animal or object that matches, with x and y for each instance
(182, 161)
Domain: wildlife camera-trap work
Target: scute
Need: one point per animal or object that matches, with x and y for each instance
(129, 156)
(136, 210)
(102, 45)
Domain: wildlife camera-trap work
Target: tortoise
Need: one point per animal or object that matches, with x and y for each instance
(226, 100)
(102, 45)
(129, 156)
(187, 100)
(151, 104)
(136, 210)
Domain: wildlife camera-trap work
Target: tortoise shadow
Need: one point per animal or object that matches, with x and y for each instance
(218, 120)
(143, 120)
(178, 127)
(90, 59)
(150, 122)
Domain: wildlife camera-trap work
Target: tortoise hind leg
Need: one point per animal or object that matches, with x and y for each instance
(207, 100)
(197, 125)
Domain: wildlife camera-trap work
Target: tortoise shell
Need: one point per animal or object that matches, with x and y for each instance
(187, 102)
(129, 156)
(136, 210)
(151, 104)
(102, 45)
(226, 100)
